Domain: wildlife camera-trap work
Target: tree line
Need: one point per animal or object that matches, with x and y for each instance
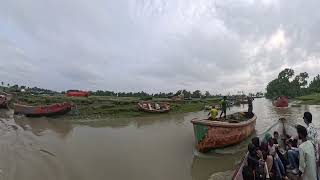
(185, 93)
(287, 84)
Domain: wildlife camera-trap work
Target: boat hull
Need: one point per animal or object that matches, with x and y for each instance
(237, 175)
(214, 134)
(39, 111)
(281, 102)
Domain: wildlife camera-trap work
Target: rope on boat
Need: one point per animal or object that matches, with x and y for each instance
(45, 151)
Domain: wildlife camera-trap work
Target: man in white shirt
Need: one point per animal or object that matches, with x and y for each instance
(307, 158)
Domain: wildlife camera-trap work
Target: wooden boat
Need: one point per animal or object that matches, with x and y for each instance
(3, 101)
(237, 175)
(47, 110)
(152, 107)
(77, 93)
(215, 134)
(281, 101)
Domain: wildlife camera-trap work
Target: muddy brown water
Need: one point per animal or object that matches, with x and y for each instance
(158, 148)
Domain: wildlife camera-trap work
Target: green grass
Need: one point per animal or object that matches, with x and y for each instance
(312, 99)
(115, 107)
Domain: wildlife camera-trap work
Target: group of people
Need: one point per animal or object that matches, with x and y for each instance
(214, 111)
(299, 156)
(224, 105)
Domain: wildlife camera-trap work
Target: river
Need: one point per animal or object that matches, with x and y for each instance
(158, 148)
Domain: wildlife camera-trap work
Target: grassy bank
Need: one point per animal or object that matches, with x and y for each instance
(312, 99)
(105, 106)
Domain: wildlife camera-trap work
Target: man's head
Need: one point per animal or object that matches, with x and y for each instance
(276, 134)
(302, 132)
(255, 141)
(251, 149)
(271, 142)
(307, 117)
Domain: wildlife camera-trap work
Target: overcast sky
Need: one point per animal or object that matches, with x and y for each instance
(157, 45)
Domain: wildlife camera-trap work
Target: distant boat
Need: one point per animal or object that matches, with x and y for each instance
(152, 107)
(3, 101)
(220, 133)
(281, 101)
(46, 110)
(77, 93)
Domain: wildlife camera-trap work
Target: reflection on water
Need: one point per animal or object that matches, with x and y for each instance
(155, 147)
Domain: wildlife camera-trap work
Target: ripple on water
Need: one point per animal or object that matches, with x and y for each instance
(23, 157)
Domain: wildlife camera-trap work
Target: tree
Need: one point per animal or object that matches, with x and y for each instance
(196, 94)
(282, 86)
(315, 84)
(8, 85)
(301, 79)
(2, 83)
(286, 74)
(207, 94)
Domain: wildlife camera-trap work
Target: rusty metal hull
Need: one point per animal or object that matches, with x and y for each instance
(215, 134)
(47, 110)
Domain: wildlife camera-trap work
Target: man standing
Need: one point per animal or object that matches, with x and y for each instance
(307, 158)
(250, 106)
(224, 104)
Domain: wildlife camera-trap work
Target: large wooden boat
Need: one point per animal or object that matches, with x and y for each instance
(46, 110)
(222, 132)
(281, 101)
(152, 107)
(237, 175)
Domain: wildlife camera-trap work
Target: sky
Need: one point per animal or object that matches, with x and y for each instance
(220, 46)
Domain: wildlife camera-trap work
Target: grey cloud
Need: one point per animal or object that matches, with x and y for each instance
(156, 45)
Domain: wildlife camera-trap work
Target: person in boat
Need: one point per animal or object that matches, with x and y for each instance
(312, 133)
(157, 106)
(275, 137)
(278, 165)
(250, 106)
(280, 153)
(307, 158)
(263, 148)
(265, 151)
(213, 113)
(256, 164)
(293, 155)
(256, 142)
(224, 105)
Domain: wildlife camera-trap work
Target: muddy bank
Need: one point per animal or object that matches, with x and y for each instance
(112, 107)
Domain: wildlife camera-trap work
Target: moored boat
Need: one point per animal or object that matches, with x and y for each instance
(46, 110)
(77, 93)
(152, 107)
(281, 101)
(223, 132)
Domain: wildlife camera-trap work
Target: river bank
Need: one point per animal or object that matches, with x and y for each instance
(312, 99)
(113, 107)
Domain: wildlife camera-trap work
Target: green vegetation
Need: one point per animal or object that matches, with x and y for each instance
(288, 85)
(310, 99)
(108, 106)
